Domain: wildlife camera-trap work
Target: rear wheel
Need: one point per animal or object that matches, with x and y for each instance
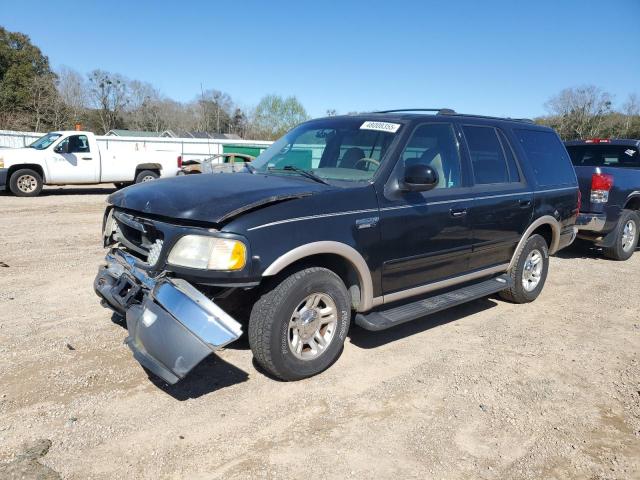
(25, 183)
(297, 329)
(146, 176)
(529, 272)
(626, 236)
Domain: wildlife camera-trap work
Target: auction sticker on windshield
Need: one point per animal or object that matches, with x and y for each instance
(380, 126)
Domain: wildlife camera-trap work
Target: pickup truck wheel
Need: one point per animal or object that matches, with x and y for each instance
(297, 329)
(626, 237)
(25, 183)
(146, 176)
(530, 271)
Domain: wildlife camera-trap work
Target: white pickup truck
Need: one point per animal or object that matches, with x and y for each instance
(73, 157)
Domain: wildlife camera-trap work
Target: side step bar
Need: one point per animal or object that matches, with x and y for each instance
(384, 319)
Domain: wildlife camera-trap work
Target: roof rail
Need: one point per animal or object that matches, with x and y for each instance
(524, 120)
(441, 111)
(449, 111)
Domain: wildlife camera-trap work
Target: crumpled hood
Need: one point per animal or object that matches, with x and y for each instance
(212, 198)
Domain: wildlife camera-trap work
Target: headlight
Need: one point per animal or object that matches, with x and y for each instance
(211, 253)
(1, 162)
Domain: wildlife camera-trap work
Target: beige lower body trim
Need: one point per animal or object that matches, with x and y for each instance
(329, 247)
(555, 238)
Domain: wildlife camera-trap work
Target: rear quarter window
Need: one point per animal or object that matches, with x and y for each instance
(547, 156)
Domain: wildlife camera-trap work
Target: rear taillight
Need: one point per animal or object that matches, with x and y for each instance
(601, 183)
(179, 161)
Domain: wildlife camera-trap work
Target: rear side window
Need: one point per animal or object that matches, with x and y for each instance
(487, 157)
(547, 156)
(604, 156)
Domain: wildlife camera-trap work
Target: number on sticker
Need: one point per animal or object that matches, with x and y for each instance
(380, 126)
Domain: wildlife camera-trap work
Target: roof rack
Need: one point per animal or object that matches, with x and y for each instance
(524, 120)
(441, 111)
(449, 111)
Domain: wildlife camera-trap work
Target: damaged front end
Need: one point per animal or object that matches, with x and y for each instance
(172, 325)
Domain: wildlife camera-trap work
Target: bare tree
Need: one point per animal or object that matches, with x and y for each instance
(215, 111)
(144, 107)
(43, 99)
(580, 111)
(74, 97)
(110, 95)
(631, 111)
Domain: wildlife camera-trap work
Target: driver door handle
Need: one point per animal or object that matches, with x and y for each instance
(458, 212)
(86, 158)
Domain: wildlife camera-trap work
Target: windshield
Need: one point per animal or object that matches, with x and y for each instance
(44, 142)
(347, 149)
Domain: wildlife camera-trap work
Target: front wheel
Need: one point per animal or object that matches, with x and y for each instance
(529, 272)
(626, 237)
(25, 183)
(297, 329)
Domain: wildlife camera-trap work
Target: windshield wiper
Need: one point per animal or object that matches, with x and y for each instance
(304, 173)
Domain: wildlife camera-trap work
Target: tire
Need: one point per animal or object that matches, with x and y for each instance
(25, 183)
(273, 339)
(522, 274)
(626, 237)
(146, 176)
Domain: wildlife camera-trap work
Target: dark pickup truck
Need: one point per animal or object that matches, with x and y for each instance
(608, 173)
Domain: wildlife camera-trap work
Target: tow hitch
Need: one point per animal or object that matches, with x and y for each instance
(172, 326)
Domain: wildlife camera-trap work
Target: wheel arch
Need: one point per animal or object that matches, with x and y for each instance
(546, 226)
(148, 166)
(340, 258)
(633, 201)
(32, 166)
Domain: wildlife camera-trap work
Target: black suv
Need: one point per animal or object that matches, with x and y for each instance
(379, 218)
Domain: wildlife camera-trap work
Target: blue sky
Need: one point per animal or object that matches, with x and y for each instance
(488, 57)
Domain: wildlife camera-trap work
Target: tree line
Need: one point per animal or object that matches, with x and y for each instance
(590, 112)
(33, 97)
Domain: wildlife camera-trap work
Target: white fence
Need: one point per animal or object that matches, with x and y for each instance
(189, 148)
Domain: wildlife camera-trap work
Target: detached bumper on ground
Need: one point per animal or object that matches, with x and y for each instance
(172, 326)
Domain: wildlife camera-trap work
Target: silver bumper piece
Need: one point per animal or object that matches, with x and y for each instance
(172, 326)
(593, 222)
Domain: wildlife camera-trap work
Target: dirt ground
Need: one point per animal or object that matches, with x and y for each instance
(489, 390)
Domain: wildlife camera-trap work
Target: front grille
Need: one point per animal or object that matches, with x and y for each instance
(139, 235)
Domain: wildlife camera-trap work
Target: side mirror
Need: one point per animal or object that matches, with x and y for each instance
(419, 178)
(63, 147)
